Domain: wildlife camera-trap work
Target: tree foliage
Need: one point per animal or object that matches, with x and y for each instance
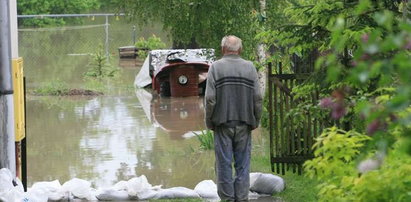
(38, 7)
(362, 74)
(199, 23)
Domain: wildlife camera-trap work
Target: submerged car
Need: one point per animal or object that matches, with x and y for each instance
(176, 72)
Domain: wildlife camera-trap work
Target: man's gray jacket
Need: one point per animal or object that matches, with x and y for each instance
(232, 93)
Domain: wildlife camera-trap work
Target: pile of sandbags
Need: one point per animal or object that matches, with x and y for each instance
(137, 188)
(11, 189)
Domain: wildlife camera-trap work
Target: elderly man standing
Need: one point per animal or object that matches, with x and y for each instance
(233, 105)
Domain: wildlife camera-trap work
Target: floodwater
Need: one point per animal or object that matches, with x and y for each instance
(110, 138)
(117, 136)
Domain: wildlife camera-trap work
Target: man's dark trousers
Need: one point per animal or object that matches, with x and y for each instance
(232, 142)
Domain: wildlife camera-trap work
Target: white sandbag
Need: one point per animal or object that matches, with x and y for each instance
(12, 194)
(79, 188)
(19, 184)
(176, 192)
(147, 194)
(122, 185)
(137, 186)
(112, 194)
(6, 180)
(35, 195)
(207, 189)
(266, 183)
(53, 189)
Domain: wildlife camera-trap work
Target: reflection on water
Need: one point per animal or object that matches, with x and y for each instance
(107, 139)
(177, 116)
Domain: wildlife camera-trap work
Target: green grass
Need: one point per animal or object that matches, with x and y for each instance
(55, 87)
(298, 187)
(178, 199)
(206, 139)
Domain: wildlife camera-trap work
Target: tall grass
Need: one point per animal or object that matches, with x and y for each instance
(55, 87)
(206, 139)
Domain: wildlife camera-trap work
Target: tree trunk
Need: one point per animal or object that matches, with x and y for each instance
(262, 55)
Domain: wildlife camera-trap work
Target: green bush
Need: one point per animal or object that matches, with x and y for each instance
(368, 75)
(151, 43)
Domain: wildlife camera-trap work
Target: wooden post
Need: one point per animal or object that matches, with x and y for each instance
(270, 113)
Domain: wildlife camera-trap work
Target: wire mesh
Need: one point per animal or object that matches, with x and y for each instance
(63, 52)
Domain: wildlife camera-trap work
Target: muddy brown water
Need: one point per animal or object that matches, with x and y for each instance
(117, 136)
(106, 139)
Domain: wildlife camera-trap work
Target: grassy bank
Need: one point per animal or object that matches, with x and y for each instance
(298, 187)
(91, 87)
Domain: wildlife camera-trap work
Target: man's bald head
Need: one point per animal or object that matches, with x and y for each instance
(231, 45)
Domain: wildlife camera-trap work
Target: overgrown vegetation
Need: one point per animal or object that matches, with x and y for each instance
(59, 88)
(362, 75)
(206, 139)
(151, 43)
(38, 7)
(54, 87)
(199, 23)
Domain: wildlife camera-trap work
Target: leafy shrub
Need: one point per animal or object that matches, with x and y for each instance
(151, 43)
(367, 71)
(363, 77)
(335, 164)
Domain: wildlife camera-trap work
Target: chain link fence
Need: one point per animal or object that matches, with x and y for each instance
(64, 52)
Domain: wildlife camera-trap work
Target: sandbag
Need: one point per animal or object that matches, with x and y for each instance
(147, 194)
(35, 195)
(138, 186)
(176, 192)
(266, 183)
(207, 189)
(111, 194)
(12, 194)
(19, 185)
(15, 194)
(122, 185)
(6, 180)
(79, 188)
(53, 189)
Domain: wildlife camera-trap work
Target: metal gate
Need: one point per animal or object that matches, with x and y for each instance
(290, 143)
